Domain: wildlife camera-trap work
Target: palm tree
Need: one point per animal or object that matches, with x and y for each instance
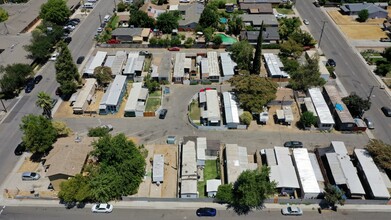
(44, 101)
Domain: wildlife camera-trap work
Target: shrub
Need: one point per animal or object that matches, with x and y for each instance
(97, 132)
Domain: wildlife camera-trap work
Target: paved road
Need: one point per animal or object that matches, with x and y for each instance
(10, 135)
(154, 130)
(40, 213)
(351, 70)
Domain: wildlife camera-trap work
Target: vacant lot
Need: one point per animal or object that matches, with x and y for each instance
(370, 30)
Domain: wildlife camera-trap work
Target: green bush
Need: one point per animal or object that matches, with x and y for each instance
(97, 132)
(270, 46)
(121, 7)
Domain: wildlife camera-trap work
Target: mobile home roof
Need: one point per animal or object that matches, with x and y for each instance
(213, 64)
(84, 93)
(306, 173)
(97, 61)
(321, 107)
(230, 108)
(131, 103)
(115, 90)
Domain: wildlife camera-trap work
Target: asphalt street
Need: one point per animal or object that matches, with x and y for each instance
(32, 213)
(10, 135)
(351, 70)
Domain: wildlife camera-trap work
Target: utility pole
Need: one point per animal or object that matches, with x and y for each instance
(5, 109)
(370, 93)
(100, 18)
(321, 33)
(115, 6)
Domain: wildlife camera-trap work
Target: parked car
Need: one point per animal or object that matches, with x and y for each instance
(54, 102)
(38, 79)
(291, 211)
(163, 113)
(30, 176)
(279, 15)
(316, 3)
(67, 39)
(58, 91)
(72, 23)
(29, 86)
(99, 30)
(385, 39)
(369, 123)
(206, 212)
(331, 62)
(53, 57)
(293, 144)
(80, 60)
(75, 20)
(386, 111)
(102, 208)
(109, 127)
(144, 52)
(20, 149)
(306, 22)
(174, 49)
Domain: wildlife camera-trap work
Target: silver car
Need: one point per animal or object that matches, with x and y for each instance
(369, 123)
(291, 211)
(30, 176)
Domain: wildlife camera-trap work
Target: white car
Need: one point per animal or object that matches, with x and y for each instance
(306, 22)
(279, 15)
(99, 30)
(102, 208)
(109, 127)
(54, 56)
(291, 211)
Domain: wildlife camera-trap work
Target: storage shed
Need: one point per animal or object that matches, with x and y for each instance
(158, 168)
(212, 187)
(85, 96)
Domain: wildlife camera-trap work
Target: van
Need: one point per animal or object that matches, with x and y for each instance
(106, 18)
(88, 5)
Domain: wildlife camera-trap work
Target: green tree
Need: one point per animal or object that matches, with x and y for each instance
(166, 22)
(61, 128)
(14, 77)
(121, 168)
(175, 41)
(162, 2)
(152, 85)
(383, 69)
(189, 42)
(356, 105)
(290, 65)
(291, 48)
(288, 26)
(253, 92)
(304, 38)
(387, 54)
(3, 15)
(97, 132)
(258, 53)
(334, 195)
(67, 74)
(209, 18)
(307, 75)
(224, 193)
(44, 101)
(307, 119)
(363, 15)
(38, 133)
(121, 7)
(103, 75)
(55, 11)
(40, 45)
(242, 53)
(75, 189)
(381, 153)
(217, 40)
(246, 118)
(235, 25)
(140, 19)
(208, 34)
(251, 189)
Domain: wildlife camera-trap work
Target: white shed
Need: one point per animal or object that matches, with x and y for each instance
(158, 168)
(212, 186)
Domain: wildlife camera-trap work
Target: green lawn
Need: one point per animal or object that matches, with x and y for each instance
(194, 113)
(147, 64)
(285, 11)
(152, 104)
(156, 94)
(230, 1)
(210, 172)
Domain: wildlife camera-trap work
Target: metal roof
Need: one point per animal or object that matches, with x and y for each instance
(158, 168)
(306, 173)
(189, 186)
(204, 66)
(227, 64)
(321, 107)
(118, 63)
(274, 66)
(270, 157)
(187, 64)
(131, 103)
(315, 165)
(236, 161)
(109, 61)
(213, 107)
(372, 174)
(84, 93)
(179, 68)
(288, 114)
(201, 148)
(212, 185)
(283, 173)
(132, 56)
(230, 108)
(164, 69)
(202, 96)
(310, 106)
(189, 164)
(257, 19)
(115, 90)
(154, 72)
(138, 64)
(342, 111)
(97, 61)
(213, 64)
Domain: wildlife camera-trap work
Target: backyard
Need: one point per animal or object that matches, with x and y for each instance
(194, 112)
(210, 172)
(153, 101)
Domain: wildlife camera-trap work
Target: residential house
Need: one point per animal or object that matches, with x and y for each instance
(374, 10)
(325, 119)
(94, 62)
(231, 110)
(162, 71)
(274, 3)
(153, 10)
(210, 110)
(213, 67)
(191, 14)
(274, 66)
(269, 35)
(179, 68)
(257, 8)
(255, 20)
(131, 35)
(227, 66)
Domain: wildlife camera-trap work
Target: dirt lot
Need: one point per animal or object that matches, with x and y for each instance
(370, 30)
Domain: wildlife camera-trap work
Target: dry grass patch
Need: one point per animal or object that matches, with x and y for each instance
(363, 32)
(28, 165)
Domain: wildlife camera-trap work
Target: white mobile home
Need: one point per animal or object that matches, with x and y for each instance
(97, 61)
(211, 111)
(231, 110)
(179, 68)
(274, 66)
(189, 174)
(135, 105)
(325, 119)
(118, 63)
(204, 68)
(213, 67)
(201, 149)
(85, 96)
(129, 70)
(227, 66)
(236, 161)
(111, 100)
(158, 168)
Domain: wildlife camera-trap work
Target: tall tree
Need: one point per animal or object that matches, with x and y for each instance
(288, 26)
(253, 91)
(140, 19)
(242, 53)
(14, 77)
(76, 189)
(103, 75)
(356, 105)
(38, 133)
(304, 38)
(258, 53)
(363, 15)
(55, 11)
(44, 101)
(291, 48)
(40, 45)
(235, 25)
(250, 190)
(307, 75)
(387, 54)
(67, 74)
(166, 22)
(209, 17)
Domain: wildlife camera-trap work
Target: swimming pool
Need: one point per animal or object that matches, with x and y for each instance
(227, 39)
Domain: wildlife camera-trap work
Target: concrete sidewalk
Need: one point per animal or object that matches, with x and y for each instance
(188, 205)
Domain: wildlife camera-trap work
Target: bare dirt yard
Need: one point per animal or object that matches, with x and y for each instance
(369, 30)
